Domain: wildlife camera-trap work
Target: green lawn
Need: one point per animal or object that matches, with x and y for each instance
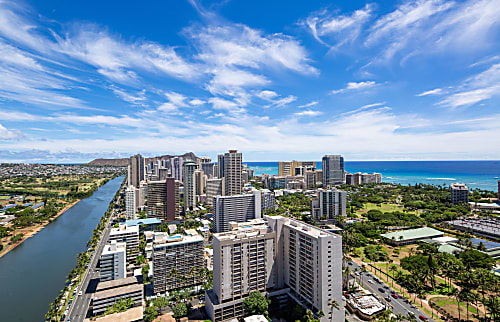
(443, 302)
(382, 207)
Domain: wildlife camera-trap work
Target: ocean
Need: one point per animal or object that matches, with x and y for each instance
(476, 174)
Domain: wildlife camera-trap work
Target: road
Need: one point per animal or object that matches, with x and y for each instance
(397, 305)
(80, 305)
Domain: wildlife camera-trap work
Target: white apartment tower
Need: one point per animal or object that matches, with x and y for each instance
(238, 208)
(232, 172)
(329, 204)
(279, 257)
(113, 262)
(131, 201)
(130, 236)
(189, 182)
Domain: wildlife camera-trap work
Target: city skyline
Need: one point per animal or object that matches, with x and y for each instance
(372, 81)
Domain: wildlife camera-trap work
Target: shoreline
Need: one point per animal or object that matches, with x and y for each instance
(32, 231)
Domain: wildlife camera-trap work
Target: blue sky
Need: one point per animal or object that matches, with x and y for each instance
(404, 80)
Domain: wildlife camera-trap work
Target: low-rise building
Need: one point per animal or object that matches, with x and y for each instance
(411, 236)
(110, 292)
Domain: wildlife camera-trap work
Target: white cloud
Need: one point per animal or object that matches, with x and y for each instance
(136, 98)
(7, 135)
(355, 86)
(312, 103)
(196, 102)
(267, 95)
(436, 91)
(308, 113)
(284, 101)
(223, 104)
(475, 89)
(339, 29)
(176, 99)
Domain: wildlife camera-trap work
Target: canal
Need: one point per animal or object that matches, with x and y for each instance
(32, 274)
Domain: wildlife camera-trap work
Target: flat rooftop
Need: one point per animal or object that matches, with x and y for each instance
(116, 283)
(139, 222)
(410, 234)
(104, 294)
(132, 314)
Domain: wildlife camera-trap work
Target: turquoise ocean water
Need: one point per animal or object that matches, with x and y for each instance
(476, 174)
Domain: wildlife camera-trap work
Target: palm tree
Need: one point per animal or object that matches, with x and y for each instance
(393, 269)
(333, 304)
(456, 294)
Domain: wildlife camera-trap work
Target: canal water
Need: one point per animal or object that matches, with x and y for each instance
(32, 274)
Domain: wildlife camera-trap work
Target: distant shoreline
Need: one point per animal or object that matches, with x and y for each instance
(33, 230)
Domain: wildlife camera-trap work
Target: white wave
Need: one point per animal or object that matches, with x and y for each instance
(440, 178)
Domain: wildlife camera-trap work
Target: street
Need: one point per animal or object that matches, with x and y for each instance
(80, 305)
(399, 305)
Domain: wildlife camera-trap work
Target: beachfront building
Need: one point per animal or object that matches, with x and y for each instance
(176, 260)
(459, 193)
(333, 170)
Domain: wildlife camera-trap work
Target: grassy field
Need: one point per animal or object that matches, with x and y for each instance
(382, 207)
(450, 306)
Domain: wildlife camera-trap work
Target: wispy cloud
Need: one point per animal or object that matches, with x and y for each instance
(136, 98)
(338, 29)
(475, 89)
(312, 103)
(355, 86)
(436, 91)
(308, 113)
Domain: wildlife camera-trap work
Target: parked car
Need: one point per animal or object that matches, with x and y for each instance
(423, 318)
(381, 289)
(394, 296)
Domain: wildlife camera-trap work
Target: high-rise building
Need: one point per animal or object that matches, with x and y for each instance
(220, 166)
(329, 204)
(131, 201)
(161, 201)
(176, 260)
(371, 178)
(459, 193)
(281, 258)
(189, 182)
(498, 190)
(237, 208)
(289, 168)
(232, 172)
(130, 236)
(200, 182)
(176, 167)
(112, 263)
(208, 169)
(268, 200)
(215, 187)
(333, 170)
(136, 170)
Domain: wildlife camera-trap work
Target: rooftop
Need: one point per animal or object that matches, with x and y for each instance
(124, 229)
(418, 233)
(161, 239)
(132, 314)
(139, 222)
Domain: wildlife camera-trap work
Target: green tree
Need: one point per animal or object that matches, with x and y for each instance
(256, 303)
(179, 310)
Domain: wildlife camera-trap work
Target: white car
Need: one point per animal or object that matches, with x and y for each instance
(80, 293)
(370, 281)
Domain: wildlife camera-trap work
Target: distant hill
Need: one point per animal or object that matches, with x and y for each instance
(123, 162)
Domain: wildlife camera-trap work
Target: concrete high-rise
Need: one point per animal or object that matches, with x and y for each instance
(268, 200)
(176, 167)
(232, 172)
(131, 201)
(136, 170)
(189, 182)
(333, 170)
(176, 260)
(161, 201)
(215, 187)
(130, 236)
(280, 257)
(112, 263)
(329, 205)
(459, 193)
(238, 208)
(220, 166)
(200, 182)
